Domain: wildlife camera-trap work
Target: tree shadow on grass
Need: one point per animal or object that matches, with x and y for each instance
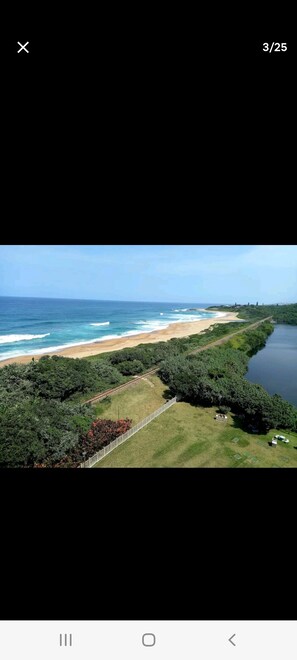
(239, 423)
(167, 395)
(193, 404)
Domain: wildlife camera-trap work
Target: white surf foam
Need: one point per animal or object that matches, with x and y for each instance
(52, 349)
(61, 347)
(145, 327)
(105, 323)
(10, 339)
(155, 325)
(177, 318)
(149, 326)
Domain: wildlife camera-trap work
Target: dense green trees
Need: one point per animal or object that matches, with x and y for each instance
(250, 342)
(130, 367)
(38, 421)
(197, 380)
(204, 378)
(106, 374)
(37, 430)
(42, 420)
(150, 355)
(280, 313)
(284, 313)
(60, 378)
(215, 377)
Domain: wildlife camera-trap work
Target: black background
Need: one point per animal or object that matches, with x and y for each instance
(148, 544)
(147, 128)
(152, 114)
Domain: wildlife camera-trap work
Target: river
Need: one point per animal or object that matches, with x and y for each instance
(275, 366)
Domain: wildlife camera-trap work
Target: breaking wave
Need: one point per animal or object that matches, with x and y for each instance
(10, 339)
(183, 309)
(104, 323)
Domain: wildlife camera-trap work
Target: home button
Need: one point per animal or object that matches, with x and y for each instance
(148, 639)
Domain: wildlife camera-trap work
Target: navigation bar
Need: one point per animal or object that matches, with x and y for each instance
(152, 640)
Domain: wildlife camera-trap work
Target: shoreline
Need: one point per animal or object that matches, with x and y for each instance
(173, 330)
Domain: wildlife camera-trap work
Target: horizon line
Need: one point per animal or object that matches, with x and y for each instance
(169, 302)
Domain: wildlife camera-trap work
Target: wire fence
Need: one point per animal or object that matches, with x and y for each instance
(118, 441)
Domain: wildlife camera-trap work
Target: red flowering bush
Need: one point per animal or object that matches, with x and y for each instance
(101, 433)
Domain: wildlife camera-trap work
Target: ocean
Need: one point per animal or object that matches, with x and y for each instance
(38, 325)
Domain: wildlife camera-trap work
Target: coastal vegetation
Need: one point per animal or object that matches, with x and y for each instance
(251, 342)
(42, 415)
(216, 377)
(280, 313)
(39, 423)
(101, 433)
(36, 430)
(44, 421)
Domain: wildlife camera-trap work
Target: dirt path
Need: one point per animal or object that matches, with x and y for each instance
(217, 342)
(148, 382)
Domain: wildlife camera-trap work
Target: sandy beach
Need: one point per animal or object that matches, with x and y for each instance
(173, 330)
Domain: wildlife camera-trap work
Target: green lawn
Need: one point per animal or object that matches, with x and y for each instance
(136, 402)
(189, 436)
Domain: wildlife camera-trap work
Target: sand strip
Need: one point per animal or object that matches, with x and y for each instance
(173, 330)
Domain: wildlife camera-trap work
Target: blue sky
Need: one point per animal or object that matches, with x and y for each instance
(173, 273)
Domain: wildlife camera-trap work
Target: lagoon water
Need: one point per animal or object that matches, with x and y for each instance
(275, 366)
(39, 325)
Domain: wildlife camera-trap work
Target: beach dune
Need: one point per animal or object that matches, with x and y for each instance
(172, 331)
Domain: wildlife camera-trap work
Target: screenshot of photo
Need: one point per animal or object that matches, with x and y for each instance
(148, 356)
(148, 334)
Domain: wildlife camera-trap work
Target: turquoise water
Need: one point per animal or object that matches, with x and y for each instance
(38, 325)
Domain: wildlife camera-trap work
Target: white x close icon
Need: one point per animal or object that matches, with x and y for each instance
(23, 47)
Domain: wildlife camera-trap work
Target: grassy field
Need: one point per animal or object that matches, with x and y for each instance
(136, 402)
(189, 436)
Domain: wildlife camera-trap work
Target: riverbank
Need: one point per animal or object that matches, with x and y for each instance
(275, 365)
(174, 330)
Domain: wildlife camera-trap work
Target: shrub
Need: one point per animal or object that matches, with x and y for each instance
(108, 374)
(101, 433)
(130, 368)
(224, 410)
